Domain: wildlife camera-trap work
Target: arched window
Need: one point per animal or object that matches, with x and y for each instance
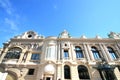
(83, 72)
(67, 72)
(95, 52)
(13, 53)
(112, 53)
(79, 53)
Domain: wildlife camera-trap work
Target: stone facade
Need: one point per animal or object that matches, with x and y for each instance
(34, 57)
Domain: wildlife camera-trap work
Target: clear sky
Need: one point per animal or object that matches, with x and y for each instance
(51, 17)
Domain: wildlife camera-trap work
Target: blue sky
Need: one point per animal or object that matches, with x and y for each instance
(51, 17)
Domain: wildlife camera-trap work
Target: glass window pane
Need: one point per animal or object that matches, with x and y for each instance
(112, 53)
(35, 56)
(67, 72)
(13, 53)
(79, 53)
(66, 55)
(83, 72)
(96, 53)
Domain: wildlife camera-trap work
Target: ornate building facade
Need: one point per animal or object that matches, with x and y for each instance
(30, 56)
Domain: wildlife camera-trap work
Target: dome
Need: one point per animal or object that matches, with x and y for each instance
(49, 69)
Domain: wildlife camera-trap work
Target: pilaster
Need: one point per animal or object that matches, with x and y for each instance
(62, 72)
(59, 71)
(28, 57)
(86, 52)
(103, 52)
(117, 73)
(21, 56)
(90, 53)
(2, 56)
(73, 52)
(117, 50)
(107, 53)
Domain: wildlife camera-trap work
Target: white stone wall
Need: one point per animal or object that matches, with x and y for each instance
(52, 52)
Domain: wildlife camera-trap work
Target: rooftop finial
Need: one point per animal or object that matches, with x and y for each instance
(65, 34)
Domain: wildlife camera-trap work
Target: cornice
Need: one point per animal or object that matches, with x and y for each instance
(104, 40)
(26, 40)
(89, 40)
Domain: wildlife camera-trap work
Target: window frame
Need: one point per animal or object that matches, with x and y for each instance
(79, 52)
(112, 53)
(35, 56)
(83, 72)
(96, 53)
(13, 53)
(67, 72)
(66, 53)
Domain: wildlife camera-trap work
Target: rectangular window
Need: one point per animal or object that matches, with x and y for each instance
(48, 52)
(31, 71)
(66, 54)
(35, 56)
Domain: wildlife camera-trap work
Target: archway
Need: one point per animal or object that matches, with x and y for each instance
(83, 72)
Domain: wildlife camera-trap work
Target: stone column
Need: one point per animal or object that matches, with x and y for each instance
(28, 57)
(86, 52)
(70, 52)
(73, 53)
(90, 53)
(59, 71)
(103, 52)
(107, 53)
(117, 73)
(61, 52)
(58, 51)
(117, 50)
(3, 55)
(62, 72)
(21, 56)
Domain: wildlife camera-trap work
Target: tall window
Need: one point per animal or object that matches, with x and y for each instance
(66, 54)
(96, 53)
(50, 54)
(35, 56)
(67, 72)
(83, 72)
(13, 53)
(79, 53)
(112, 53)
